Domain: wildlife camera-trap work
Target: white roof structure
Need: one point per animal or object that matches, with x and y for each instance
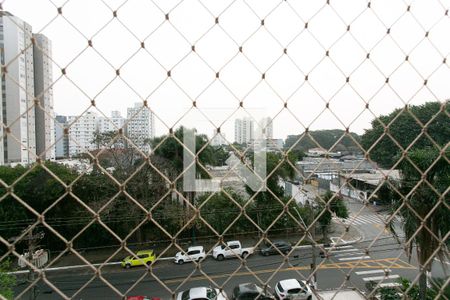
(341, 295)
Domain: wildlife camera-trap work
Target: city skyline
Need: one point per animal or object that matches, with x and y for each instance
(314, 88)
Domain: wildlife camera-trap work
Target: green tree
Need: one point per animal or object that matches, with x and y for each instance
(329, 204)
(220, 211)
(405, 127)
(333, 140)
(7, 281)
(423, 205)
(170, 147)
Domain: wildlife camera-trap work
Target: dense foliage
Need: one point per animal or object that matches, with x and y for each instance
(324, 139)
(404, 130)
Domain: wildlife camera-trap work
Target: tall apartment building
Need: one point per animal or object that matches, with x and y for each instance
(19, 144)
(218, 139)
(113, 123)
(62, 140)
(266, 128)
(141, 126)
(28, 75)
(81, 133)
(243, 130)
(43, 79)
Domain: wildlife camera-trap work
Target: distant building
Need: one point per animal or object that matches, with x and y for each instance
(266, 126)
(269, 145)
(140, 126)
(329, 168)
(243, 130)
(81, 133)
(17, 90)
(43, 80)
(113, 123)
(31, 127)
(218, 139)
(61, 140)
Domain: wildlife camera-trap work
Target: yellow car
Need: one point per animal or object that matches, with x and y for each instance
(144, 257)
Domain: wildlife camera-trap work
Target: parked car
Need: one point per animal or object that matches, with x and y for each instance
(277, 248)
(195, 253)
(202, 293)
(293, 289)
(141, 298)
(250, 291)
(143, 257)
(231, 249)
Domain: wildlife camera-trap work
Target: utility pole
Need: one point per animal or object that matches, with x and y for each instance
(31, 247)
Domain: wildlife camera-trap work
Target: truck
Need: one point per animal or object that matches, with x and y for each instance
(231, 249)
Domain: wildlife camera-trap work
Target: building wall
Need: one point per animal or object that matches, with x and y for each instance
(243, 130)
(61, 140)
(140, 126)
(81, 133)
(113, 123)
(45, 124)
(18, 90)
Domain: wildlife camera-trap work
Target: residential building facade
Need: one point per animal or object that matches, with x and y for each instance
(43, 79)
(113, 123)
(243, 130)
(19, 143)
(61, 139)
(28, 77)
(140, 127)
(82, 131)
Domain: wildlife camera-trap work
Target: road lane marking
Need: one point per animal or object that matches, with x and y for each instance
(354, 258)
(345, 250)
(372, 271)
(343, 265)
(339, 247)
(349, 254)
(378, 278)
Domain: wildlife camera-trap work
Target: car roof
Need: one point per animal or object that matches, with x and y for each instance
(197, 292)
(149, 251)
(290, 284)
(195, 248)
(249, 287)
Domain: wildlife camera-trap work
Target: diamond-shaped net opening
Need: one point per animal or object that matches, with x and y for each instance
(235, 149)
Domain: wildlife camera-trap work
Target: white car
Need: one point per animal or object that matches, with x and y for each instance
(231, 249)
(195, 253)
(293, 289)
(202, 293)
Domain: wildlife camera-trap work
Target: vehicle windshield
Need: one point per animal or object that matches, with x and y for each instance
(295, 291)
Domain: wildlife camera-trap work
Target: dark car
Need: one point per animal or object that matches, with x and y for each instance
(251, 291)
(277, 248)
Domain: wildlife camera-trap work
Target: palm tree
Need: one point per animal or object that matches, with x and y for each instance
(423, 206)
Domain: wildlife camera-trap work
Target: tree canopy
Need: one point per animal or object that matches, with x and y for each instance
(412, 127)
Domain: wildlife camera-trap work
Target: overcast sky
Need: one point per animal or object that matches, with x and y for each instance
(91, 72)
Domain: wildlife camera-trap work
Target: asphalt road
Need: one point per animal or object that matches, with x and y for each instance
(349, 266)
(345, 266)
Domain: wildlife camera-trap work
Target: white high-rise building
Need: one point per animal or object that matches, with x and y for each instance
(113, 123)
(17, 87)
(43, 79)
(243, 130)
(141, 126)
(266, 128)
(81, 133)
(218, 139)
